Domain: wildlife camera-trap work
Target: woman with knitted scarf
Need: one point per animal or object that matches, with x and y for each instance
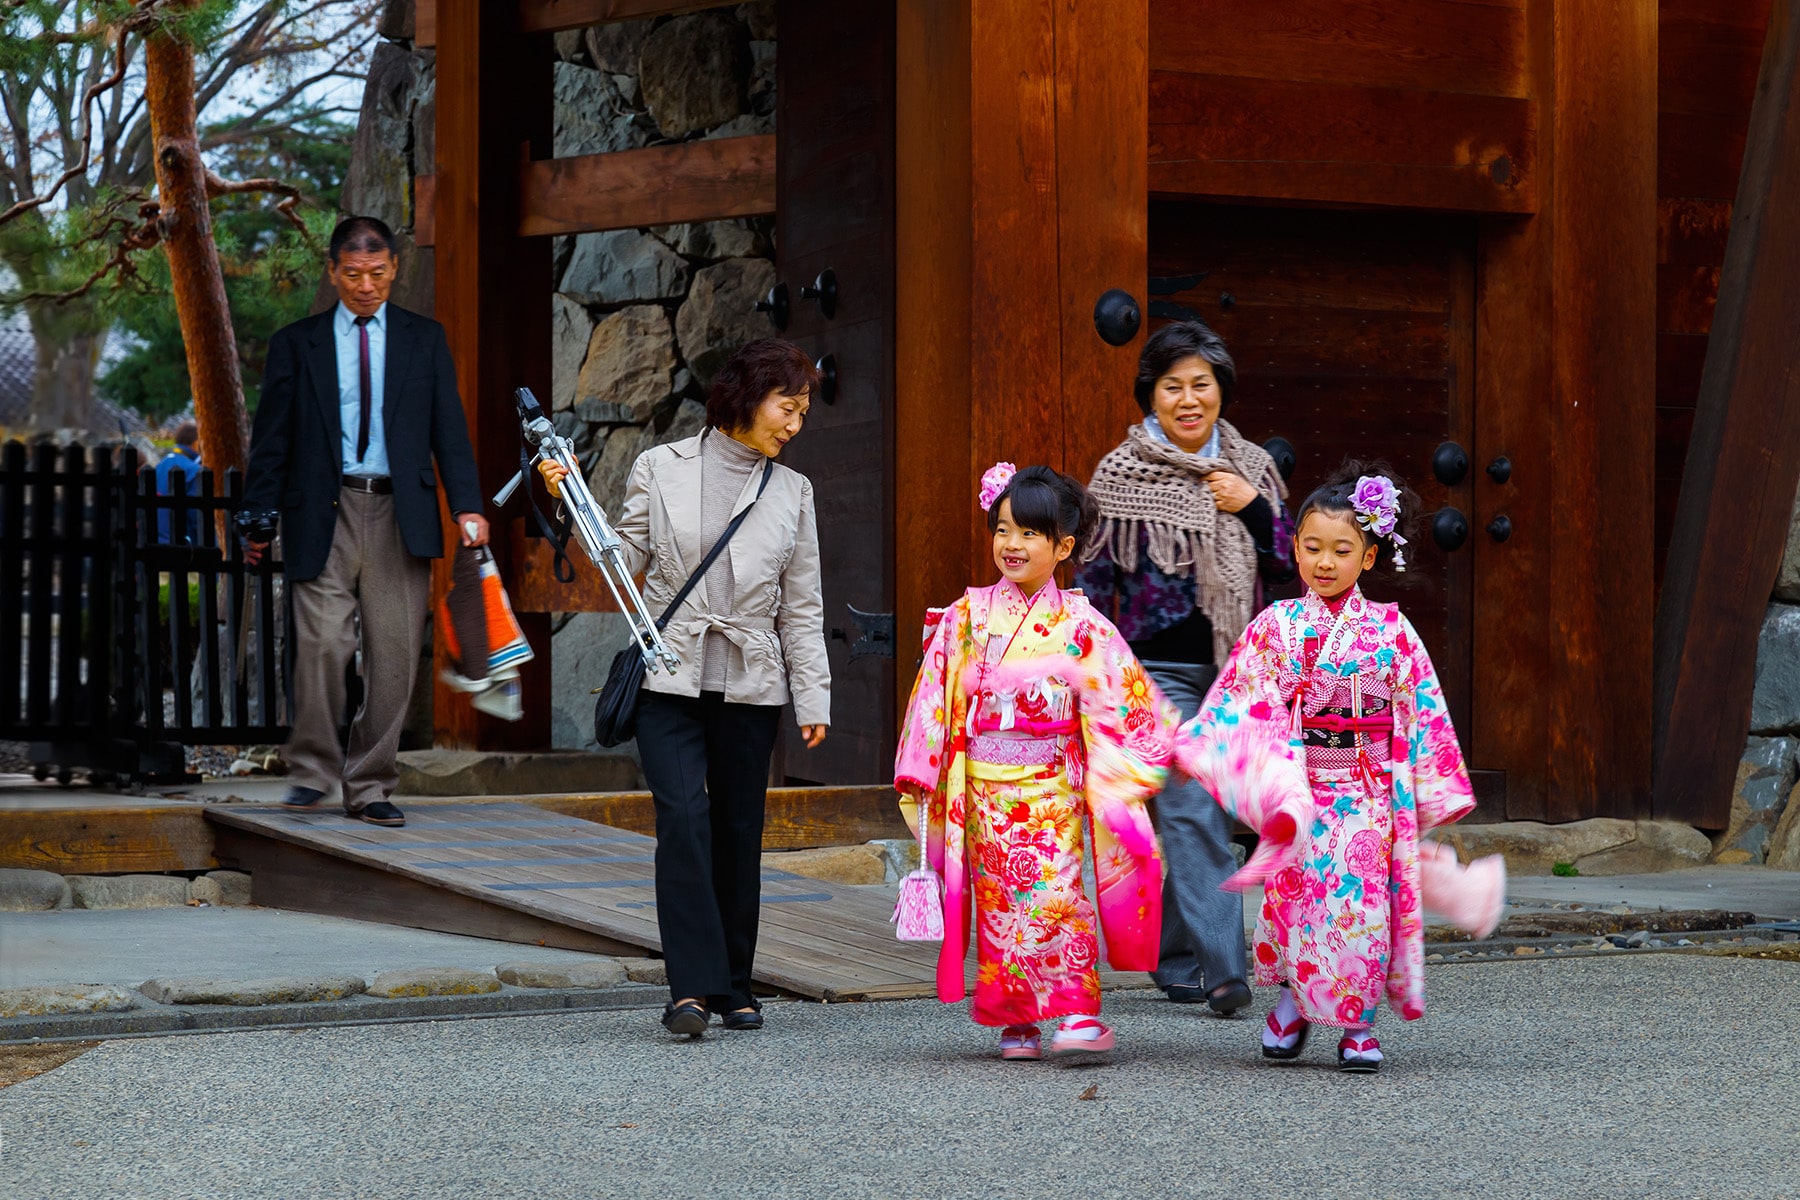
(1192, 521)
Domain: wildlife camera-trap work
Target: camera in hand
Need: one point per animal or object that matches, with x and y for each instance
(258, 524)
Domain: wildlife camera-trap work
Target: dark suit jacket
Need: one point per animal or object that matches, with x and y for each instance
(296, 444)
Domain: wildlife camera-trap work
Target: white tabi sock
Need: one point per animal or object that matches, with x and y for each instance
(1285, 1014)
(1086, 1035)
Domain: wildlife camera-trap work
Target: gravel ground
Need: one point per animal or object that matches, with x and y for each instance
(1663, 1076)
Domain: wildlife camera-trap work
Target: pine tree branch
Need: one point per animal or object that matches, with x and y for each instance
(217, 186)
(87, 135)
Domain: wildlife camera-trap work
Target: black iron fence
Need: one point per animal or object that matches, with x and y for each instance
(130, 625)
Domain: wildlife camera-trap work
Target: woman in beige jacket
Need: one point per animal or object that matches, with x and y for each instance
(751, 639)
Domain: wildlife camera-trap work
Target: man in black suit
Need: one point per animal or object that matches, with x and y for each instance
(357, 404)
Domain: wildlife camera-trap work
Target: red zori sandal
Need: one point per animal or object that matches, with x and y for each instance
(1359, 1054)
(1021, 1041)
(1285, 1042)
(1082, 1035)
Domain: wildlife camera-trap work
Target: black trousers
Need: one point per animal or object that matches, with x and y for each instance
(707, 764)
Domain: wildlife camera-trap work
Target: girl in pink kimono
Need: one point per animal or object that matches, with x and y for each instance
(1327, 734)
(1030, 722)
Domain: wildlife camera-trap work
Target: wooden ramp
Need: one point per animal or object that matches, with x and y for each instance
(519, 873)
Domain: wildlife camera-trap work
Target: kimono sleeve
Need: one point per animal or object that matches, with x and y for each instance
(1126, 727)
(927, 732)
(1240, 747)
(1440, 778)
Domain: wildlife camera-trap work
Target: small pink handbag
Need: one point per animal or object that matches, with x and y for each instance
(919, 915)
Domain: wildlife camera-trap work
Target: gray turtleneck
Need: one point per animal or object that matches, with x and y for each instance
(725, 466)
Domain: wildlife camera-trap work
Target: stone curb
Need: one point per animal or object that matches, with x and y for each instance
(251, 992)
(154, 1018)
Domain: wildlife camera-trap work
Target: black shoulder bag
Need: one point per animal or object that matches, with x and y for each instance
(615, 710)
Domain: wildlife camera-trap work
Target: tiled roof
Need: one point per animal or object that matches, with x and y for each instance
(18, 363)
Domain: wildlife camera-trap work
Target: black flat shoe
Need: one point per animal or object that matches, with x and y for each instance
(684, 1020)
(743, 1020)
(380, 813)
(1228, 997)
(1184, 993)
(302, 797)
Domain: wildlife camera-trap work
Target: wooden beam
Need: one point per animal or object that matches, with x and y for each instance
(1218, 136)
(490, 77)
(934, 465)
(425, 24)
(659, 185)
(1431, 45)
(1601, 469)
(424, 210)
(553, 16)
(105, 837)
(1743, 464)
(1103, 214)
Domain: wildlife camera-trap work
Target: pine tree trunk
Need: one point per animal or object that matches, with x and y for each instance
(62, 385)
(199, 283)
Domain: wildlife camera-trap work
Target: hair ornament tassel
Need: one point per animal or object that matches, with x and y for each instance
(1376, 502)
(993, 483)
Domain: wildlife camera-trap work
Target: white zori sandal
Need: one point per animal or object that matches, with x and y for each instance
(1021, 1041)
(1081, 1035)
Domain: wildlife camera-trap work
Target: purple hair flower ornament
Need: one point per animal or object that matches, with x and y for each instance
(993, 482)
(1376, 502)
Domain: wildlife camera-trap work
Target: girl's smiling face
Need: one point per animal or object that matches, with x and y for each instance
(1332, 553)
(1028, 557)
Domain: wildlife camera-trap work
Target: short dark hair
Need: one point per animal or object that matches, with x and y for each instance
(363, 235)
(768, 365)
(1333, 499)
(1054, 504)
(187, 433)
(1172, 343)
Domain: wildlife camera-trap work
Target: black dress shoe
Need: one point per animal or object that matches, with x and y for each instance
(302, 797)
(1185, 993)
(380, 813)
(684, 1020)
(743, 1020)
(1228, 997)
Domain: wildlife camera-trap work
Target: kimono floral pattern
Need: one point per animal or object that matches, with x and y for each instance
(1340, 920)
(1031, 722)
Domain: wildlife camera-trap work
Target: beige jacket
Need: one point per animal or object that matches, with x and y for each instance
(777, 623)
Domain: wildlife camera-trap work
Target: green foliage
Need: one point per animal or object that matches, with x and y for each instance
(271, 271)
(1564, 869)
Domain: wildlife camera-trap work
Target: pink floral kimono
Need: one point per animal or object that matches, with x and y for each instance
(1327, 733)
(1030, 717)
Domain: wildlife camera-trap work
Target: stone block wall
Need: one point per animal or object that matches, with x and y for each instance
(644, 318)
(1765, 805)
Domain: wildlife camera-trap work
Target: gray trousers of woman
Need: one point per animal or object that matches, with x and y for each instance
(1203, 927)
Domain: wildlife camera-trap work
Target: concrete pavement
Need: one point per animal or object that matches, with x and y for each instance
(1655, 1076)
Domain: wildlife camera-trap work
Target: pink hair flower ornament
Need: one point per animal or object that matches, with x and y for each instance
(994, 481)
(1376, 502)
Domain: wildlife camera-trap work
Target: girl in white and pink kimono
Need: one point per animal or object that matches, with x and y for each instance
(1327, 733)
(1030, 724)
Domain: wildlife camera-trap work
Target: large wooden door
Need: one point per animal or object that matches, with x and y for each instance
(1353, 335)
(835, 204)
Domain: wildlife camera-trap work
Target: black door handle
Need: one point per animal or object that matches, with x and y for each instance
(1449, 529)
(1450, 463)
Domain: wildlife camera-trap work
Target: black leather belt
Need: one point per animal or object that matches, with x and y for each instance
(379, 485)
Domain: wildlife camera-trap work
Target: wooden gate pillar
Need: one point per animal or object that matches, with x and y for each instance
(1022, 133)
(1565, 360)
(493, 296)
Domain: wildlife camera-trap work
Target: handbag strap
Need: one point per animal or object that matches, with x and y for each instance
(712, 555)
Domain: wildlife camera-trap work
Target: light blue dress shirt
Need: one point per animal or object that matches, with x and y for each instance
(349, 364)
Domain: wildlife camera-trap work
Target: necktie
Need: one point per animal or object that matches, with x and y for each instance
(362, 430)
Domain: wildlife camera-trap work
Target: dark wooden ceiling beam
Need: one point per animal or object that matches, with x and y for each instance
(1216, 135)
(1743, 464)
(659, 185)
(553, 16)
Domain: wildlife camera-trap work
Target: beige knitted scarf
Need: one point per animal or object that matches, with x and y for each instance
(1145, 485)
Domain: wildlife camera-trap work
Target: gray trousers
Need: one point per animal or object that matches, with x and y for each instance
(371, 583)
(1203, 927)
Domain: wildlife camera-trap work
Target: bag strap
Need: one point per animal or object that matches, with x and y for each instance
(712, 555)
(560, 566)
